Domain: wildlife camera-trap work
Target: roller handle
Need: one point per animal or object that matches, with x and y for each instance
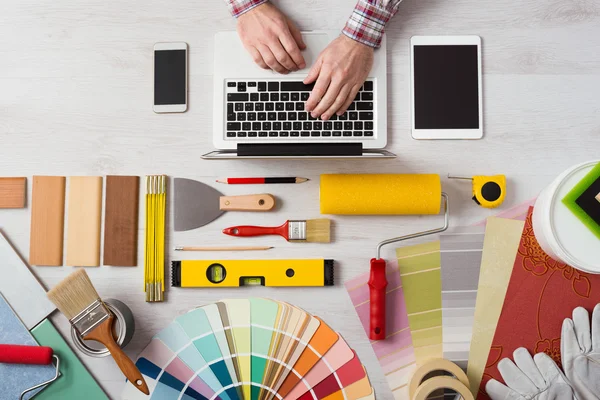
(19, 354)
(377, 286)
(248, 230)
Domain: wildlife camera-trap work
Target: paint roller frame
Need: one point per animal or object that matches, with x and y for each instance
(378, 281)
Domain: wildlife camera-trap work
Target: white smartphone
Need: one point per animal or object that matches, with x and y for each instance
(170, 77)
(446, 87)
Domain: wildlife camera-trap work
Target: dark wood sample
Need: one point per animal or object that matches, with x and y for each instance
(121, 220)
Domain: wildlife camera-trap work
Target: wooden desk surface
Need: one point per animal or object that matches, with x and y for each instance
(76, 99)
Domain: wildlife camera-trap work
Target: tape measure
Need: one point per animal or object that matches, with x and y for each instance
(488, 191)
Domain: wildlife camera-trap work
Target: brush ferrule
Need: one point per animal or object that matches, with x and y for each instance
(92, 316)
(297, 230)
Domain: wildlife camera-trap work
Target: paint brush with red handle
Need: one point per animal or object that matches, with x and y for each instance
(310, 231)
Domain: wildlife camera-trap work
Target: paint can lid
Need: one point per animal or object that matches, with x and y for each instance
(574, 242)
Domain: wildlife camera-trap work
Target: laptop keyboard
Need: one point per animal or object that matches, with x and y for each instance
(275, 109)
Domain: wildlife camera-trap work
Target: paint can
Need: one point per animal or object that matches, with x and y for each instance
(123, 329)
(558, 231)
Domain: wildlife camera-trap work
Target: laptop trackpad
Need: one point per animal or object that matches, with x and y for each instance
(315, 43)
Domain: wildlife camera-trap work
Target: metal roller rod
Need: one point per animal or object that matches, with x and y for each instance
(49, 381)
(419, 234)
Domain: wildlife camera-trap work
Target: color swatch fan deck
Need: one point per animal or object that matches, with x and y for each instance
(250, 349)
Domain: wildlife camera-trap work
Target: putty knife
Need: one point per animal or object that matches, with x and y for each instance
(197, 204)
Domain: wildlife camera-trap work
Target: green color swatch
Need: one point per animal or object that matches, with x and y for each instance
(75, 382)
(263, 315)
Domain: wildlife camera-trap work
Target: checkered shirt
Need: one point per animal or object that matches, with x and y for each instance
(366, 24)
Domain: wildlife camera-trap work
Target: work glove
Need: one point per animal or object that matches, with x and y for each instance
(580, 352)
(537, 378)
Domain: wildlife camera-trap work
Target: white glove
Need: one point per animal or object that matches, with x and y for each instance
(537, 378)
(580, 352)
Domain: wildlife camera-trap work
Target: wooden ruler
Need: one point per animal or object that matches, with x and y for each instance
(47, 220)
(13, 192)
(84, 221)
(121, 220)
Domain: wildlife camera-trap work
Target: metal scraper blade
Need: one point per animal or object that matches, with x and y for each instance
(196, 204)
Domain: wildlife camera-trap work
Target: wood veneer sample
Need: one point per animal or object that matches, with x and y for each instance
(121, 220)
(47, 220)
(13, 192)
(84, 221)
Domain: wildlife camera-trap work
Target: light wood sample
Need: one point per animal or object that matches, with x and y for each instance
(121, 220)
(13, 192)
(84, 221)
(47, 220)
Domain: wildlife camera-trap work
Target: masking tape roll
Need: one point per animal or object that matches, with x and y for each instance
(436, 364)
(442, 382)
(380, 194)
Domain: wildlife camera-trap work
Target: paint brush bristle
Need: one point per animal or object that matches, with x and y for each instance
(73, 294)
(318, 230)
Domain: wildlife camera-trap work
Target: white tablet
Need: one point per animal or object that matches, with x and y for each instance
(446, 87)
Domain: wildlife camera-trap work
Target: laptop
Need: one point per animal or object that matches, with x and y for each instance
(260, 114)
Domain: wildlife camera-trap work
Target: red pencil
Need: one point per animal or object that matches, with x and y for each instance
(254, 181)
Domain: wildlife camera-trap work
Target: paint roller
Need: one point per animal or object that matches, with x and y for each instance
(383, 194)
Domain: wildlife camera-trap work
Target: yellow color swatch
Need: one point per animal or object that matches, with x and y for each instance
(502, 238)
(420, 271)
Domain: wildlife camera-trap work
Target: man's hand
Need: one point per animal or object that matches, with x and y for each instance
(339, 72)
(272, 39)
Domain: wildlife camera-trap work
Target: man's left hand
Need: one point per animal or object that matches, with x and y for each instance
(339, 73)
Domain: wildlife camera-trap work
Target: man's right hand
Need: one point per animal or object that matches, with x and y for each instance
(272, 39)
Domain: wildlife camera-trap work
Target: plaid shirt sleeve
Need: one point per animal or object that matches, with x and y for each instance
(367, 22)
(238, 7)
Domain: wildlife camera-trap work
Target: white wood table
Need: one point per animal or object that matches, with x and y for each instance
(76, 99)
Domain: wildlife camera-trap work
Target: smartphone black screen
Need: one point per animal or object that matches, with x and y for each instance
(169, 77)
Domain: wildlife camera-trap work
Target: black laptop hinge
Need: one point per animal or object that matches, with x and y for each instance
(299, 149)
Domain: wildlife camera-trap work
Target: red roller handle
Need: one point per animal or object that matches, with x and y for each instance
(247, 231)
(377, 285)
(18, 354)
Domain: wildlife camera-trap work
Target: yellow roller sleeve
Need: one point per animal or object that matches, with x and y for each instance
(382, 194)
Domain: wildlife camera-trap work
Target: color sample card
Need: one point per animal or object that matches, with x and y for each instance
(517, 213)
(20, 287)
(502, 237)
(249, 349)
(339, 354)
(346, 375)
(238, 311)
(460, 250)
(197, 327)
(395, 354)
(323, 340)
(419, 267)
(541, 294)
(75, 382)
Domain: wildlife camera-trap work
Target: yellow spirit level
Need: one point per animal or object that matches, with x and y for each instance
(234, 273)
